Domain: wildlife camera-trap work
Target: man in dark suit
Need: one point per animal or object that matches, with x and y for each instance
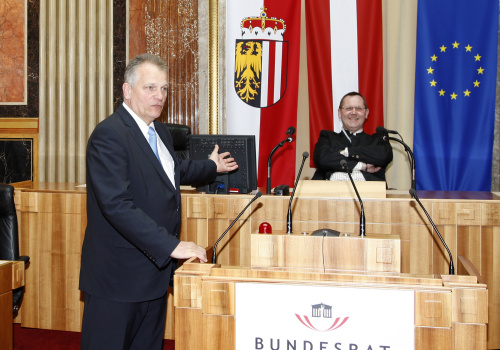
(133, 211)
(367, 156)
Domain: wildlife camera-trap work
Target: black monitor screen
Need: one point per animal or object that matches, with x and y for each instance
(242, 149)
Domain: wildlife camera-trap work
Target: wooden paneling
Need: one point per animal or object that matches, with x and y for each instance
(11, 277)
(218, 298)
(52, 228)
(433, 338)
(435, 327)
(189, 337)
(213, 339)
(52, 220)
(432, 309)
(6, 335)
(469, 336)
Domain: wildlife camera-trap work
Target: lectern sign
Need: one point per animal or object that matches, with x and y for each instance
(279, 316)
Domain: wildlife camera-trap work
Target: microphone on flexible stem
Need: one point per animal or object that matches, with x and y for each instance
(214, 257)
(343, 164)
(289, 214)
(289, 133)
(383, 133)
(413, 193)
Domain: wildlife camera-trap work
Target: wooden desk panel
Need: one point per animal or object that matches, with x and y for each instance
(52, 220)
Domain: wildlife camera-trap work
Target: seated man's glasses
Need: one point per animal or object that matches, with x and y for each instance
(350, 109)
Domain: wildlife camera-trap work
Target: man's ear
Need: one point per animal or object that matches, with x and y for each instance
(127, 91)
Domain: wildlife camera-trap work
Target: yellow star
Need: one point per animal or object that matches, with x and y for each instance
(467, 93)
(476, 83)
(443, 48)
(453, 96)
(468, 48)
(441, 92)
(480, 70)
(430, 70)
(433, 82)
(477, 57)
(455, 45)
(434, 57)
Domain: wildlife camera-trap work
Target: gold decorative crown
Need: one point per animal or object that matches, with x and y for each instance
(263, 27)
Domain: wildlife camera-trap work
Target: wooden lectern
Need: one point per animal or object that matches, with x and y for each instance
(450, 312)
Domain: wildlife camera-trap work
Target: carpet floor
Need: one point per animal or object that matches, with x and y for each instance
(42, 339)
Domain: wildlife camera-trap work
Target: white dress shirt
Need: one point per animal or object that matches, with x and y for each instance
(166, 159)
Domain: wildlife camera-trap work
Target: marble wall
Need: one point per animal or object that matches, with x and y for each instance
(12, 52)
(169, 29)
(15, 160)
(19, 95)
(30, 108)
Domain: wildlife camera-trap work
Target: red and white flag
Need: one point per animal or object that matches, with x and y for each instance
(344, 54)
(262, 73)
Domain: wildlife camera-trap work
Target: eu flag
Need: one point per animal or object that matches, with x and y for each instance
(455, 85)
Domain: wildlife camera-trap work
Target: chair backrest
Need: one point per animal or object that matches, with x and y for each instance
(9, 239)
(180, 134)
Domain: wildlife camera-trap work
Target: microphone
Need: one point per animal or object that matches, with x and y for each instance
(289, 133)
(289, 214)
(413, 193)
(383, 134)
(214, 257)
(381, 129)
(343, 164)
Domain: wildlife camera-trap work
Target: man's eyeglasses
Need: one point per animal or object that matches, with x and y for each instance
(350, 109)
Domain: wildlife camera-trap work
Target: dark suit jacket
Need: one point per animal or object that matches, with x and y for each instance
(133, 211)
(370, 149)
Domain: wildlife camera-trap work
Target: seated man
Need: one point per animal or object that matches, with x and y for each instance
(366, 155)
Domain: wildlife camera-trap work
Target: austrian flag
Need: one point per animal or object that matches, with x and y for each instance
(344, 54)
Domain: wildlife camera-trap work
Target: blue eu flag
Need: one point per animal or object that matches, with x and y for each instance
(455, 85)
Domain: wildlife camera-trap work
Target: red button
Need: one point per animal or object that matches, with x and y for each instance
(265, 227)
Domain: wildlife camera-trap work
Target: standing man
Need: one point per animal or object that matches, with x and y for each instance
(366, 155)
(133, 211)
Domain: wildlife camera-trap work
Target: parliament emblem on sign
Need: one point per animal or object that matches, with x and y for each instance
(261, 58)
(322, 319)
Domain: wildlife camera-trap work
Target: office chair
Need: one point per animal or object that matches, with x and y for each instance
(180, 134)
(9, 237)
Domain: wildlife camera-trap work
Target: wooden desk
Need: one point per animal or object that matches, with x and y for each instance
(53, 219)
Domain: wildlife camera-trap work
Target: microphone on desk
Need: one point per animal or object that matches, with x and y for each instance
(343, 164)
(383, 134)
(289, 213)
(289, 133)
(214, 257)
(413, 193)
(381, 129)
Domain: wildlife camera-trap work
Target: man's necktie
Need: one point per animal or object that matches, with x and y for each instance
(152, 141)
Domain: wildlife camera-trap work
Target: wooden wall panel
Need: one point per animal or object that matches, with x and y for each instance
(469, 337)
(53, 219)
(469, 244)
(431, 309)
(214, 340)
(433, 338)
